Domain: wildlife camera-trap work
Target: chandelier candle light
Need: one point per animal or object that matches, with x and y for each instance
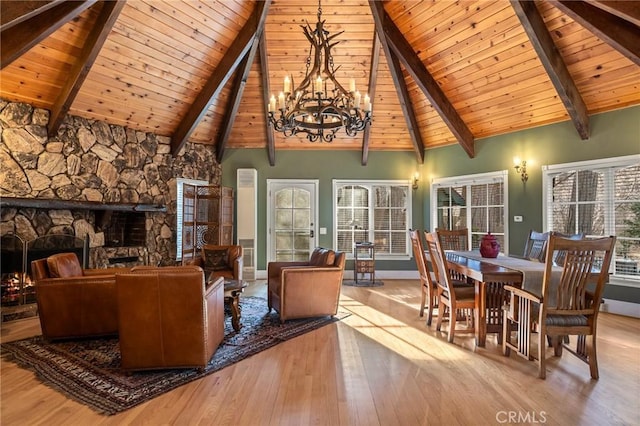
(320, 105)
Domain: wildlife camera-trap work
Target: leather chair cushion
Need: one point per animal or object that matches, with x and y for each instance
(216, 260)
(64, 265)
(322, 257)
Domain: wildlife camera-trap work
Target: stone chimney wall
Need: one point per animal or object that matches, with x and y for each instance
(92, 160)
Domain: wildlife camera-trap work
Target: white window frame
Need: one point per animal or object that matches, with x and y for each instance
(549, 171)
(180, 182)
(467, 181)
(371, 183)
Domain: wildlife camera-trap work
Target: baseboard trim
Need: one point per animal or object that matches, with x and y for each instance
(620, 307)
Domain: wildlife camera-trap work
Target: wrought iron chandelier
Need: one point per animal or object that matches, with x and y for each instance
(320, 106)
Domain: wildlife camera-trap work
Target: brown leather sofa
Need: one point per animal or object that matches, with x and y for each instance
(74, 302)
(168, 318)
(220, 261)
(306, 289)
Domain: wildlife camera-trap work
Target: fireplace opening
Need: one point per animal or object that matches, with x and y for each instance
(122, 229)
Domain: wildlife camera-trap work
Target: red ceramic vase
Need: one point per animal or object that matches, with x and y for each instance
(489, 246)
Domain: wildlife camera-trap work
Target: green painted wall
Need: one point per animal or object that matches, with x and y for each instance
(613, 134)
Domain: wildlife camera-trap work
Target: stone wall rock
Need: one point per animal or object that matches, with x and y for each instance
(90, 160)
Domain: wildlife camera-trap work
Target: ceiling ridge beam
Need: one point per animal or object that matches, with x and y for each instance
(619, 33)
(379, 16)
(264, 75)
(220, 76)
(20, 35)
(429, 86)
(373, 80)
(553, 63)
(80, 69)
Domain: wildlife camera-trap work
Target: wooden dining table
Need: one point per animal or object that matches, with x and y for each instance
(489, 276)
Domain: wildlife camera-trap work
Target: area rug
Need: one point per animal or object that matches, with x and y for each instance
(363, 283)
(88, 370)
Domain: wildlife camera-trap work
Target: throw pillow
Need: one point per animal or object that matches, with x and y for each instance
(215, 260)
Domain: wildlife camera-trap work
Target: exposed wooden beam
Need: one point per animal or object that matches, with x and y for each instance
(373, 79)
(429, 86)
(552, 61)
(18, 38)
(264, 74)
(78, 73)
(619, 33)
(225, 69)
(242, 73)
(627, 10)
(379, 16)
(407, 107)
(14, 12)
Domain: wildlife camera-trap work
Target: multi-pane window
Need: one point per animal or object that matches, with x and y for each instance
(598, 198)
(474, 202)
(375, 211)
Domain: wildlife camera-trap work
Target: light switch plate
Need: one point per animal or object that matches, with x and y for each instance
(323, 231)
(517, 218)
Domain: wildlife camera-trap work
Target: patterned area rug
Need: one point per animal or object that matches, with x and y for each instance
(88, 370)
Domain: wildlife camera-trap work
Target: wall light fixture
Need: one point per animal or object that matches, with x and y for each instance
(521, 167)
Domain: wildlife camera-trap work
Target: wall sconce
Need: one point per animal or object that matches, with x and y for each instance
(521, 167)
(416, 178)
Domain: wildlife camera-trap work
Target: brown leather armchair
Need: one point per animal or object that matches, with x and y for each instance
(74, 302)
(220, 261)
(306, 289)
(168, 318)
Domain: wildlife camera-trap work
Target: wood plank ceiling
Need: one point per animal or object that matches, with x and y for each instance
(441, 72)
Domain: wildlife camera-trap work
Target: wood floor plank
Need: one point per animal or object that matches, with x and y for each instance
(381, 365)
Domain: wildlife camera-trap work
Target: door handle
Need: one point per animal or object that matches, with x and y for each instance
(311, 233)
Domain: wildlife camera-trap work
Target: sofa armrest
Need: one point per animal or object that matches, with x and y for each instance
(274, 268)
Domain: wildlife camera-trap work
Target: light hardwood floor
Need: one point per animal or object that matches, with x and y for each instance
(380, 366)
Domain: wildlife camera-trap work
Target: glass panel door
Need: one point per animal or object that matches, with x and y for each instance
(292, 220)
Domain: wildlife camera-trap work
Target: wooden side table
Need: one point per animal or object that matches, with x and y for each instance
(364, 260)
(232, 291)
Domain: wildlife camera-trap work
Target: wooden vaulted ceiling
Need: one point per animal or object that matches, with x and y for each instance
(439, 72)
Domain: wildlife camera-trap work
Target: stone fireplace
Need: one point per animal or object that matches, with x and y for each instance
(108, 184)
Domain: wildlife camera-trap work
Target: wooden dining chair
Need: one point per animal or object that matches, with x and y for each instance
(567, 307)
(428, 288)
(452, 298)
(560, 255)
(454, 239)
(536, 246)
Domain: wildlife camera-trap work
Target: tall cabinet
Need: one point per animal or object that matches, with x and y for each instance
(207, 218)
